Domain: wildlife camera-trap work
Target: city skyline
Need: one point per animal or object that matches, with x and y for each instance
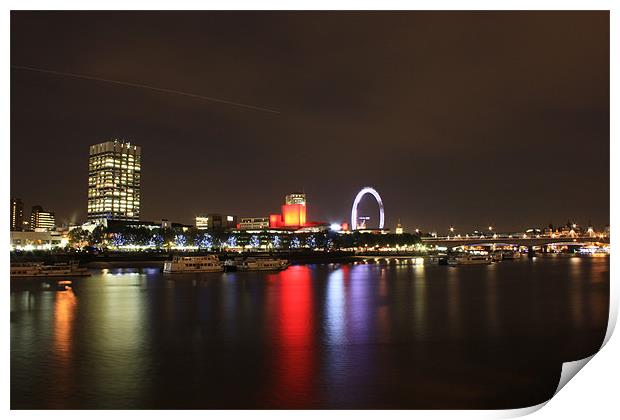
(112, 171)
(498, 142)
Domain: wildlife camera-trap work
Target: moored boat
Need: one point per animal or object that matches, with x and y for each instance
(37, 269)
(203, 264)
(511, 255)
(259, 264)
(470, 260)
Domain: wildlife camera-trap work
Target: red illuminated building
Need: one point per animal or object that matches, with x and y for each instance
(293, 213)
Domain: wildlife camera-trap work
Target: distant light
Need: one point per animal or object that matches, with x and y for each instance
(335, 226)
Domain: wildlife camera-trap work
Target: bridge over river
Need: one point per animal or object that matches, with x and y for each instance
(529, 241)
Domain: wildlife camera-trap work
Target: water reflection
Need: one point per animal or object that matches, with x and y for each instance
(336, 306)
(65, 306)
(453, 304)
(116, 339)
(295, 354)
(323, 336)
(419, 309)
(64, 313)
(492, 297)
(383, 309)
(359, 311)
(577, 282)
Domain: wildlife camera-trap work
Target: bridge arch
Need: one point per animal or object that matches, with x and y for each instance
(358, 198)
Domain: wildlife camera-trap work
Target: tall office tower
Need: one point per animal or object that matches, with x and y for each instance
(114, 181)
(41, 220)
(17, 214)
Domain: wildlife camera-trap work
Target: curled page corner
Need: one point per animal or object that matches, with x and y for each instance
(613, 313)
(570, 369)
(520, 412)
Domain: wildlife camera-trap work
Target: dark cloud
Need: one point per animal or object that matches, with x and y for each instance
(457, 118)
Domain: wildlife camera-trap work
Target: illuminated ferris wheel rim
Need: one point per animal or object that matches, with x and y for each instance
(358, 198)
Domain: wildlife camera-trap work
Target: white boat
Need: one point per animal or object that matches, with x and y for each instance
(261, 264)
(206, 264)
(37, 269)
(470, 260)
(511, 255)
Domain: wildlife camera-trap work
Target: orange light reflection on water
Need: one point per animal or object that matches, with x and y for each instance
(65, 305)
(64, 313)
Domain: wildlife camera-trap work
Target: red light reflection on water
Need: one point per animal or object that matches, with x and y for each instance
(294, 358)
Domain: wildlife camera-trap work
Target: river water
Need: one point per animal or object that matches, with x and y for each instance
(376, 335)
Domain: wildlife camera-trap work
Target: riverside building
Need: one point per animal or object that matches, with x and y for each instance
(216, 221)
(114, 181)
(253, 223)
(293, 215)
(17, 214)
(41, 220)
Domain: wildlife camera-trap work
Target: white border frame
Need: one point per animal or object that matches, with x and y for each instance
(593, 394)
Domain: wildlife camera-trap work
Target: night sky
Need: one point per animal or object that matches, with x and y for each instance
(463, 119)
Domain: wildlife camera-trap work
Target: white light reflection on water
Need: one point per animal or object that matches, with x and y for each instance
(117, 344)
(335, 303)
(493, 319)
(420, 298)
(454, 303)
